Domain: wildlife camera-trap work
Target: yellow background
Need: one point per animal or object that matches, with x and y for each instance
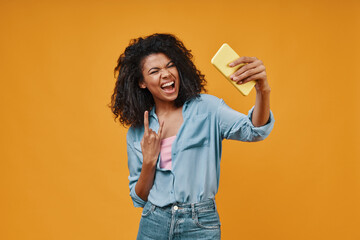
(63, 166)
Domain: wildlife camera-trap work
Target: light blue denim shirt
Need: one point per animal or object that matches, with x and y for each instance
(195, 153)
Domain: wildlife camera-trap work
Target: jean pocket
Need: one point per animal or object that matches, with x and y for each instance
(148, 209)
(208, 219)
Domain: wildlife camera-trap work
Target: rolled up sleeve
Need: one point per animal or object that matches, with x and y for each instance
(137, 201)
(237, 126)
(134, 164)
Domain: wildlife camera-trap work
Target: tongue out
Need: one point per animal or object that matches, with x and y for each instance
(169, 89)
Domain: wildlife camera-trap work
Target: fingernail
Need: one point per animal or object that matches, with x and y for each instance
(232, 76)
(231, 64)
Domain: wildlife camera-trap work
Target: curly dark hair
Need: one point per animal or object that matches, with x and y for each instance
(129, 101)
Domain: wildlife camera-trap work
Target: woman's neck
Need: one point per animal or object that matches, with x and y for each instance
(172, 118)
(164, 109)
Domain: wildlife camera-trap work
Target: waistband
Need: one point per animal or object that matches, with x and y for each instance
(184, 207)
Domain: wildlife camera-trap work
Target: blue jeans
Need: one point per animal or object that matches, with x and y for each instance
(180, 221)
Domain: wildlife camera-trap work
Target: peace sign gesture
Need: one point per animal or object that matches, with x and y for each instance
(150, 143)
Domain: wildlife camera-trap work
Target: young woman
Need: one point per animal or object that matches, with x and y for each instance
(175, 135)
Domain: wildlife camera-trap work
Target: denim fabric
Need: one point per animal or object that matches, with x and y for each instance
(195, 153)
(180, 221)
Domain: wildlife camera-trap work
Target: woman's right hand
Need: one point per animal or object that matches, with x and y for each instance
(150, 143)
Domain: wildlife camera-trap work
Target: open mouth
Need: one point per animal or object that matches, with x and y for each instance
(168, 87)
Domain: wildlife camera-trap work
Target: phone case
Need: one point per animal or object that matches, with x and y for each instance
(222, 58)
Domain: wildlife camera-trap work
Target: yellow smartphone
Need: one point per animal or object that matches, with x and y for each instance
(222, 58)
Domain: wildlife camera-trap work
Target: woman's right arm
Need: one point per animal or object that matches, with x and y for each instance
(238, 126)
(146, 181)
(150, 147)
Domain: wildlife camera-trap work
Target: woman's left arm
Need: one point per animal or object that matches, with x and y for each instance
(255, 70)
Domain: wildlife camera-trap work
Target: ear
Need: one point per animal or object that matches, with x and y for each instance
(142, 84)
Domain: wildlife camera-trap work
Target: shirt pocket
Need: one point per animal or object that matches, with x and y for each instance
(196, 132)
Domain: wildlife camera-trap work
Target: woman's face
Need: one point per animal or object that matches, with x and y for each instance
(161, 77)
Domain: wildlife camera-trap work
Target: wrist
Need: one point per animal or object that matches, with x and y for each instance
(263, 92)
(263, 89)
(149, 163)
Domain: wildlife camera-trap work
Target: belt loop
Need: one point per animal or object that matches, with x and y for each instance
(193, 210)
(215, 204)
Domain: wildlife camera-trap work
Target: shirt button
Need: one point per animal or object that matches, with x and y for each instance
(176, 208)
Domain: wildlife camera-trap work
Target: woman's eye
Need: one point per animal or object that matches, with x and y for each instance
(153, 72)
(172, 65)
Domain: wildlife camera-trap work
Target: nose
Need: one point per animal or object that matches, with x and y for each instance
(166, 73)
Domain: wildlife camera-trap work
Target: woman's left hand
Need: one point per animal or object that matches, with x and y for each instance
(253, 69)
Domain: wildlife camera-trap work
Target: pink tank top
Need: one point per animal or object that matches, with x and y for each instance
(165, 152)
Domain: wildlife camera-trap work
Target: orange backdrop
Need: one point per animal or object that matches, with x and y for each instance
(63, 165)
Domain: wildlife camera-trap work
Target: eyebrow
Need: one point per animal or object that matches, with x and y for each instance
(171, 61)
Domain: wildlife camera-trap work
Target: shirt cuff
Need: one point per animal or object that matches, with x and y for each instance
(137, 201)
(265, 129)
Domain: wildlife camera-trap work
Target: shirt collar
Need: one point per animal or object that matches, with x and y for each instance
(153, 114)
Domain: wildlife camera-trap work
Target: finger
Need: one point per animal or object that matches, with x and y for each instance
(149, 137)
(242, 60)
(249, 73)
(152, 136)
(256, 76)
(246, 68)
(261, 75)
(146, 122)
(160, 129)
